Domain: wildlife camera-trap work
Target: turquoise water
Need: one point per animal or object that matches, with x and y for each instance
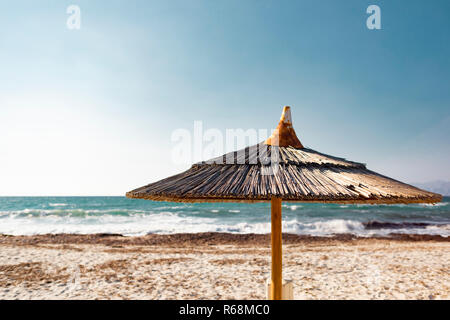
(84, 215)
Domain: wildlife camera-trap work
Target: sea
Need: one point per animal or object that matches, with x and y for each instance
(133, 217)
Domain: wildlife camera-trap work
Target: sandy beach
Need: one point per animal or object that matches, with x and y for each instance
(221, 266)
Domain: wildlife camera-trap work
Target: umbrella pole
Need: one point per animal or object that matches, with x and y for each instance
(276, 281)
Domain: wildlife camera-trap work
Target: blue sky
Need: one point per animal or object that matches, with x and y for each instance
(91, 111)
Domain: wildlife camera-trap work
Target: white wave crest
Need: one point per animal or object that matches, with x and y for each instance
(57, 204)
(167, 222)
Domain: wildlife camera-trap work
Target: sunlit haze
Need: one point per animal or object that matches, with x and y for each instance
(92, 111)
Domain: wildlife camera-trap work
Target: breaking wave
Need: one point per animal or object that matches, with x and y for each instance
(84, 215)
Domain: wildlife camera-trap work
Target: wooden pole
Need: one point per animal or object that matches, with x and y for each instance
(277, 279)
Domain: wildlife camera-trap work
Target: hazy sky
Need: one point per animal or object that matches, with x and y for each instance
(91, 111)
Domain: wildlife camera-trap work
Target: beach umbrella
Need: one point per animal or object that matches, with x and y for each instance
(278, 169)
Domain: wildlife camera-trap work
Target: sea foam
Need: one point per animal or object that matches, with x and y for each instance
(85, 215)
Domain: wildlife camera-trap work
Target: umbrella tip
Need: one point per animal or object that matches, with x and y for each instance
(286, 115)
(284, 135)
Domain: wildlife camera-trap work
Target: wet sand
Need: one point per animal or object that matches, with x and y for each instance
(221, 266)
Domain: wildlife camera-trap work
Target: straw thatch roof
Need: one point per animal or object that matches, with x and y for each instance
(293, 173)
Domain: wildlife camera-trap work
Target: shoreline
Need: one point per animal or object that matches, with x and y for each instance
(206, 238)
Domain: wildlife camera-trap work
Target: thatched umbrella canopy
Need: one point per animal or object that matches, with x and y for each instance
(281, 168)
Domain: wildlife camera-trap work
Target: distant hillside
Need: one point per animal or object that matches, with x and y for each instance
(439, 186)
